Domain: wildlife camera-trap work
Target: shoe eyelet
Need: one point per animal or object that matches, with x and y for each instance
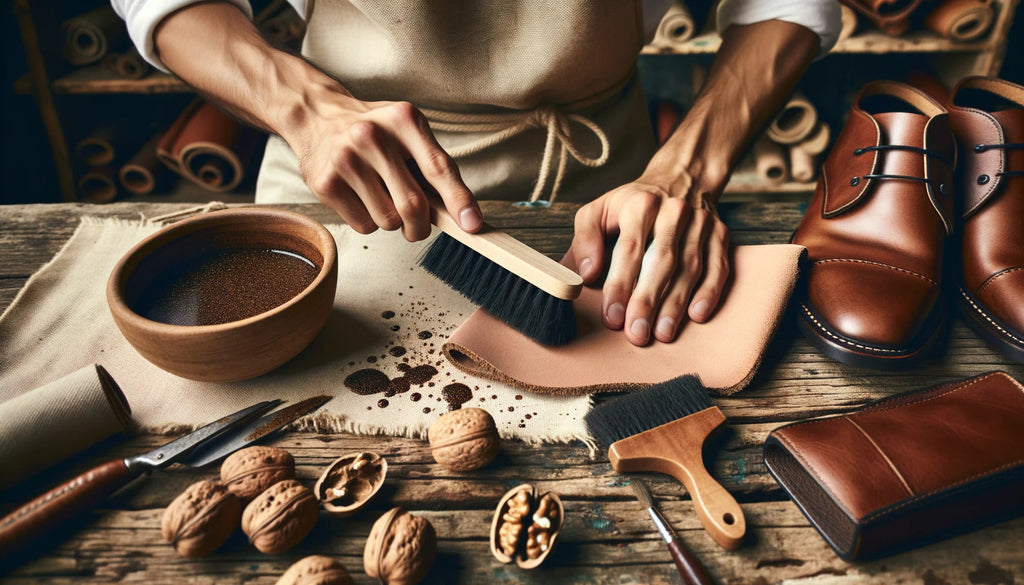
(983, 179)
(942, 188)
(858, 152)
(854, 181)
(979, 148)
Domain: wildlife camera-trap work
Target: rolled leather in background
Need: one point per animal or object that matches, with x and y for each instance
(795, 121)
(208, 147)
(285, 28)
(961, 20)
(98, 185)
(90, 36)
(127, 65)
(667, 119)
(849, 22)
(803, 156)
(48, 424)
(890, 16)
(676, 27)
(144, 173)
(99, 147)
(770, 160)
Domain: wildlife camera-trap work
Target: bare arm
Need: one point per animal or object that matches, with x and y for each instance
(352, 154)
(651, 289)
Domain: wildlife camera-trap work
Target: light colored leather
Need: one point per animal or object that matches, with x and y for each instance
(725, 352)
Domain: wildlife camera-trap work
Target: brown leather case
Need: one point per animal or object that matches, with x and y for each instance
(907, 470)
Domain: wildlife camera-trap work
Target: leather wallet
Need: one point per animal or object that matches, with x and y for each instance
(910, 469)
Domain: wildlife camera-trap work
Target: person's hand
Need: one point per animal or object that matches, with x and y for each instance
(669, 263)
(366, 160)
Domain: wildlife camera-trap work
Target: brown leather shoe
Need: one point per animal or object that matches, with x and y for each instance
(987, 115)
(875, 230)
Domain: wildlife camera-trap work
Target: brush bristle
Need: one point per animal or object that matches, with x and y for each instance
(648, 408)
(545, 318)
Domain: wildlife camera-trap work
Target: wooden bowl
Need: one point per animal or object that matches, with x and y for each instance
(228, 295)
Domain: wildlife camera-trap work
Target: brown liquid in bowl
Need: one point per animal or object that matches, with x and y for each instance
(224, 286)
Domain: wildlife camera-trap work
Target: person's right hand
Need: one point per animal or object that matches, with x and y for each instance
(356, 157)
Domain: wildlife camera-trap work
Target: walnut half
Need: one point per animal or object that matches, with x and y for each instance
(525, 526)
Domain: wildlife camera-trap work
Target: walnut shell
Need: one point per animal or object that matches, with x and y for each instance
(250, 471)
(464, 439)
(350, 482)
(400, 549)
(280, 517)
(316, 570)
(201, 518)
(526, 525)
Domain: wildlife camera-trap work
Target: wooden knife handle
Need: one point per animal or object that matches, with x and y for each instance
(47, 512)
(690, 567)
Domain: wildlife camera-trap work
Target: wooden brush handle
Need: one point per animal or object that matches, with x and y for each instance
(511, 254)
(676, 449)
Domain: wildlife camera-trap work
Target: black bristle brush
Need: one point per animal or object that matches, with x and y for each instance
(505, 277)
(662, 429)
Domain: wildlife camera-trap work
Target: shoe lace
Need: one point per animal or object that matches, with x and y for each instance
(884, 147)
(1003, 146)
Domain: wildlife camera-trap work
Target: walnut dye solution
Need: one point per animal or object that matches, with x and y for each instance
(224, 286)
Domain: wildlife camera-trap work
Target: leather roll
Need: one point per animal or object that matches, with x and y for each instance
(50, 423)
(890, 16)
(98, 185)
(143, 173)
(803, 162)
(208, 147)
(286, 28)
(849, 22)
(90, 36)
(676, 27)
(97, 148)
(961, 20)
(770, 161)
(795, 121)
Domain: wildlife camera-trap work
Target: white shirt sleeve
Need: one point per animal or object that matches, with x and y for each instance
(823, 17)
(143, 16)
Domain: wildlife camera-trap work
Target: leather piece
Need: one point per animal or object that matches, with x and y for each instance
(1002, 295)
(907, 468)
(891, 16)
(725, 352)
(961, 20)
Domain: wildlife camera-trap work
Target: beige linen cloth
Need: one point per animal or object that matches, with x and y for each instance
(725, 351)
(57, 420)
(59, 323)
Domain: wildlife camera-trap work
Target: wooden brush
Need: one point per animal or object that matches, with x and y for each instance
(662, 429)
(509, 279)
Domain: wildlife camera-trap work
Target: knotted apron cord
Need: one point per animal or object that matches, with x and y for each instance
(506, 126)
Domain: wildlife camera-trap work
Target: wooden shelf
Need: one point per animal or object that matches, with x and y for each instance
(869, 42)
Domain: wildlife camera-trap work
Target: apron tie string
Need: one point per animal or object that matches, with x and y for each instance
(506, 126)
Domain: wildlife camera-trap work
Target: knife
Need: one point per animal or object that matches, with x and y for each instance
(40, 516)
(689, 565)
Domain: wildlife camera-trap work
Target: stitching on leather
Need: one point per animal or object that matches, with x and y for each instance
(882, 453)
(997, 275)
(838, 339)
(985, 316)
(879, 264)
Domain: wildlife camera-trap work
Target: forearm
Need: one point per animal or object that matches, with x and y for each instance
(755, 70)
(215, 48)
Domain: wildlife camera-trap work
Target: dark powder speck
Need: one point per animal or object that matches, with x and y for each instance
(511, 408)
(366, 382)
(398, 386)
(382, 403)
(387, 314)
(397, 351)
(424, 335)
(494, 396)
(456, 395)
(415, 396)
(529, 416)
(372, 359)
(519, 396)
(404, 367)
(395, 327)
(421, 374)
(426, 409)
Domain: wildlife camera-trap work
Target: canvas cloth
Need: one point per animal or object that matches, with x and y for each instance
(478, 69)
(60, 322)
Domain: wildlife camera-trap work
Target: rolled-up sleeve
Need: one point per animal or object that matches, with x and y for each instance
(143, 16)
(820, 16)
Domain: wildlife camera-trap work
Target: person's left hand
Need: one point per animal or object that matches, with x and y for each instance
(670, 260)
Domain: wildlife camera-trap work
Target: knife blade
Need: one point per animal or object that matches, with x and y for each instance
(690, 567)
(252, 431)
(34, 519)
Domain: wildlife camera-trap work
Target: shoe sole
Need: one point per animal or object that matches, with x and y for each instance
(856, 353)
(992, 330)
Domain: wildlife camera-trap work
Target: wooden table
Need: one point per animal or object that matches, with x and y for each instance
(607, 538)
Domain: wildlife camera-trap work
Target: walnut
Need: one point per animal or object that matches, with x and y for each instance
(201, 519)
(464, 439)
(400, 549)
(525, 526)
(250, 471)
(349, 483)
(280, 517)
(316, 570)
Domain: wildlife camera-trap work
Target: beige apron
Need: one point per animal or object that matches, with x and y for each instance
(531, 98)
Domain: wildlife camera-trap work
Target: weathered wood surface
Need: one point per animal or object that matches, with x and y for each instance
(607, 539)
